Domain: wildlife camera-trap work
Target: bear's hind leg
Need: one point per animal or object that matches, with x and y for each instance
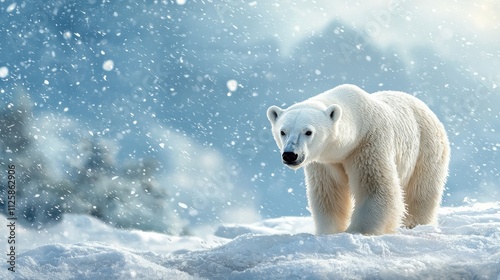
(423, 192)
(422, 198)
(329, 197)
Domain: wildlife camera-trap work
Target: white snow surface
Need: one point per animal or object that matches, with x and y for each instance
(465, 245)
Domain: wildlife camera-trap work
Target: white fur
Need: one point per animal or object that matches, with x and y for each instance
(386, 153)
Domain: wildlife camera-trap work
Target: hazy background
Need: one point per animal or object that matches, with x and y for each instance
(151, 114)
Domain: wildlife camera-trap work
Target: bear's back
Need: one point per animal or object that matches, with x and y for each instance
(404, 105)
(347, 96)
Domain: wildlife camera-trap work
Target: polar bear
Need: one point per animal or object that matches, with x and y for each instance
(387, 153)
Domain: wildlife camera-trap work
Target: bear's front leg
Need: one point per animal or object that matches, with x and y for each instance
(379, 206)
(328, 196)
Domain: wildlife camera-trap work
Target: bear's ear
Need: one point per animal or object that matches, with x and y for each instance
(273, 113)
(334, 112)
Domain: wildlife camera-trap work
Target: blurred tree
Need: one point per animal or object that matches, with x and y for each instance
(124, 195)
(35, 203)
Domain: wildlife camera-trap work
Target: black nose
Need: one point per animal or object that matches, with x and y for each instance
(290, 156)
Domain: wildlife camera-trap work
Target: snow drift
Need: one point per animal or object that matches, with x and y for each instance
(465, 245)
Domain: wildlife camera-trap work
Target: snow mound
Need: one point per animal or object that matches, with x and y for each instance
(425, 253)
(465, 245)
(90, 261)
(283, 225)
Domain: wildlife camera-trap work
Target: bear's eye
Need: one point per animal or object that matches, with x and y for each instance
(282, 133)
(309, 133)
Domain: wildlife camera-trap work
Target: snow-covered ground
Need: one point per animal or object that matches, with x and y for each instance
(465, 245)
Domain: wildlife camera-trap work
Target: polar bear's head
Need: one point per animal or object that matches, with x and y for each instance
(302, 131)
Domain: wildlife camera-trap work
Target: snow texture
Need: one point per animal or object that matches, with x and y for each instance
(465, 245)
